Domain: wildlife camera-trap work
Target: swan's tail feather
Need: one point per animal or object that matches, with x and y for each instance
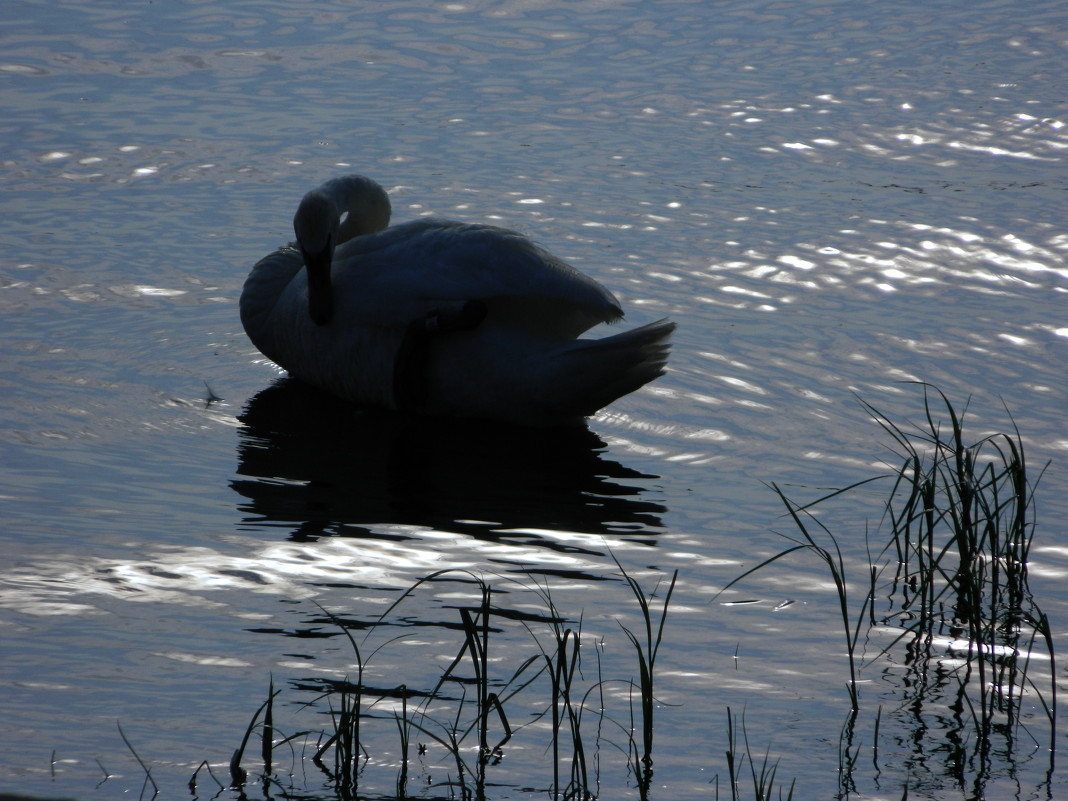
(591, 373)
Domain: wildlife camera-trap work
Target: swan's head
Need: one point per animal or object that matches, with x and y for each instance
(366, 203)
(316, 227)
(340, 209)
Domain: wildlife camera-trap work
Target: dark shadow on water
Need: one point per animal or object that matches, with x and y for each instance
(311, 463)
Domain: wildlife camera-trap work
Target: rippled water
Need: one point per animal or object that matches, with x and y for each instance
(831, 200)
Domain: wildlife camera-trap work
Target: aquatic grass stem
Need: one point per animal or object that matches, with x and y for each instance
(346, 737)
(762, 776)
(835, 564)
(646, 648)
(404, 730)
(475, 622)
(148, 772)
(561, 662)
(238, 774)
(963, 536)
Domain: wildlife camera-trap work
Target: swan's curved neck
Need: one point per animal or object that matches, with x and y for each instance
(333, 213)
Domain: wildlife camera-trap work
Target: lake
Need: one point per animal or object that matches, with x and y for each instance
(834, 201)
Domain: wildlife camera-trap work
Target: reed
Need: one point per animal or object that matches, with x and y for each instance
(761, 774)
(961, 521)
(818, 539)
(193, 779)
(562, 660)
(149, 781)
(646, 645)
(475, 719)
(488, 706)
(479, 712)
(345, 739)
(262, 720)
(404, 730)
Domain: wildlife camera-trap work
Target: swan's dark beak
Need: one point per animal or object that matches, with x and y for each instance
(320, 292)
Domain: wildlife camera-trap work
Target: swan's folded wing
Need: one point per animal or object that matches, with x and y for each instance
(411, 269)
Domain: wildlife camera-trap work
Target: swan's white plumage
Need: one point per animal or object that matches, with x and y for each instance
(521, 363)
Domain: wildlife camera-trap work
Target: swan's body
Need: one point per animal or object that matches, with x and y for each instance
(439, 317)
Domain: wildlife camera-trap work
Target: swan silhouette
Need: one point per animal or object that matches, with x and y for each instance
(438, 317)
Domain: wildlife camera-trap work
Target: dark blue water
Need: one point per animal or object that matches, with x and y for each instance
(832, 200)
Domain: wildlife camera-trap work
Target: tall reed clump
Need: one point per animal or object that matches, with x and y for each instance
(961, 521)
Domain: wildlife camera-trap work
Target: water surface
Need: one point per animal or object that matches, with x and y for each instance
(832, 200)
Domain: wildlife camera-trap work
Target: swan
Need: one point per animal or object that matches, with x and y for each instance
(439, 318)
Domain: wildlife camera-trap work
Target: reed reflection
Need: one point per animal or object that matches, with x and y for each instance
(311, 462)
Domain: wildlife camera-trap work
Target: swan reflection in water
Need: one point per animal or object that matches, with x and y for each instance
(312, 462)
